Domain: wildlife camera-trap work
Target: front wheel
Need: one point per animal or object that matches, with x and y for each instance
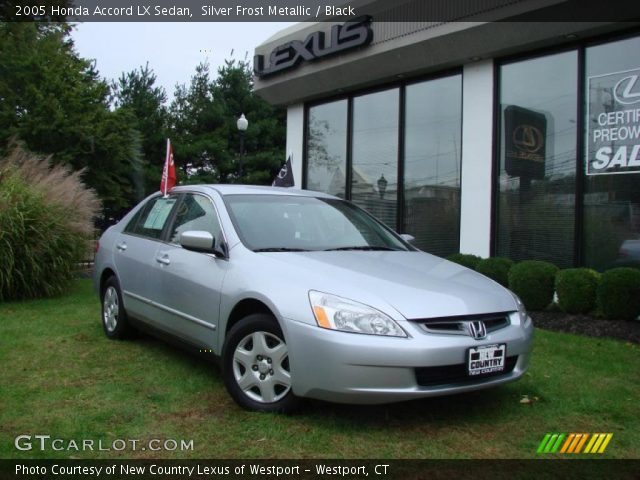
(256, 367)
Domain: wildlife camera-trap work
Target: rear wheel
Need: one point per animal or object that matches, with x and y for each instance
(256, 367)
(114, 318)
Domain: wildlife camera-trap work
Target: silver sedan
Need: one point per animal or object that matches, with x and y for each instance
(302, 294)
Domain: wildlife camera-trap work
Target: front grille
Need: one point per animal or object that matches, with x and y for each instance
(457, 374)
(458, 325)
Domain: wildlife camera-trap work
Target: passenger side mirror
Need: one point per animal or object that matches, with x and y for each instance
(408, 238)
(200, 241)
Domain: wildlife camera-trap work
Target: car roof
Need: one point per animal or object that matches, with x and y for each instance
(233, 189)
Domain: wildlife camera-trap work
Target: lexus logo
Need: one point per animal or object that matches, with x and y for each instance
(624, 90)
(477, 329)
(352, 34)
(527, 138)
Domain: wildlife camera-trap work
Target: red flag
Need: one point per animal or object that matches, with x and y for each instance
(168, 172)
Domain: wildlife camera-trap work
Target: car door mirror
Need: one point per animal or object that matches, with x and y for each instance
(408, 238)
(204, 242)
(198, 241)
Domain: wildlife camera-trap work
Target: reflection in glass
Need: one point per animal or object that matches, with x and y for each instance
(374, 183)
(536, 182)
(433, 124)
(611, 201)
(327, 148)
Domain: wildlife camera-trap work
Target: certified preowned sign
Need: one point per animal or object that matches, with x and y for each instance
(613, 143)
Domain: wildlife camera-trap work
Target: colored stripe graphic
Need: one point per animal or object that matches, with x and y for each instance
(543, 443)
(581, 443)
(573, 443)
(567, 443)
(606, 442)
(558, 443)
(594, 437)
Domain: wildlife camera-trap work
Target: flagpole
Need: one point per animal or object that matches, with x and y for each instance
(166, 168)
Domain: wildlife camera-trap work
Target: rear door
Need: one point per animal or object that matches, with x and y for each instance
(135, 255)
(191, 282)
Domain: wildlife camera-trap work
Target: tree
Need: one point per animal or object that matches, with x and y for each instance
(207, 141)
(195, 124)
(137, 93)
(265, 138)
(55, 102)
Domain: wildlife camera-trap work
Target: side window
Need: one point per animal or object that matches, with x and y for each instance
(151, 219)
(195, 212)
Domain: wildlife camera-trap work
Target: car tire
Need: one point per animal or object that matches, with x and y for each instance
(255, 366)
(114, 317)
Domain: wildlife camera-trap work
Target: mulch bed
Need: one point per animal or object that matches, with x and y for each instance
(628, 331)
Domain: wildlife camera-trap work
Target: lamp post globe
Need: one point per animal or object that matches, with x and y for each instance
(242, 123)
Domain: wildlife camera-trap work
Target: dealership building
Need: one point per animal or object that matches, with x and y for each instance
(498, 138)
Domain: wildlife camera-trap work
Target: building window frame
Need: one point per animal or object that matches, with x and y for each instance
(401, 85)
(580, 46)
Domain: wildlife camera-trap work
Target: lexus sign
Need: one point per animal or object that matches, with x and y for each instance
(352, 34)
(525, 142)
(613, 143)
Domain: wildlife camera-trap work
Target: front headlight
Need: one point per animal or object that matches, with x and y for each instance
(336, 313)
(522, 311)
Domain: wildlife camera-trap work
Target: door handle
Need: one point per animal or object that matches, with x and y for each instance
(164, 259)
(121, 246)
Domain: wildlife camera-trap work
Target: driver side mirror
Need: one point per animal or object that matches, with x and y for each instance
(201, 241)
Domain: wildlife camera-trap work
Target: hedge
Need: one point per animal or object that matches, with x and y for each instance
(576, 289)
(533, 281)
(496, 268)
(618, 294)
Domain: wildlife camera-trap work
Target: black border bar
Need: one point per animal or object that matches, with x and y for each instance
(319, 10)
(562, 466)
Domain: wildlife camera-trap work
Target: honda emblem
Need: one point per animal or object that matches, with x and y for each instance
(477, 329)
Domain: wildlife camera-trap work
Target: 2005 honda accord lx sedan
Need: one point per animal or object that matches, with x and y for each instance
(302, 294)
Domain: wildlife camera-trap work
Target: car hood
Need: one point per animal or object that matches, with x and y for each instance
(416, 284)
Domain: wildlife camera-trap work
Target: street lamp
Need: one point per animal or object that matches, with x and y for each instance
(242, 125)
(382, 186)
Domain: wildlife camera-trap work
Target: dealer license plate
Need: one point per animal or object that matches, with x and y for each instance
(487, 359)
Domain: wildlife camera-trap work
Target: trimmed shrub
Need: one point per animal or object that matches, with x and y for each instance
(465, 259)
(46, 223)
(576, 289)
(496, 268)
(619, 293)
(533, 282)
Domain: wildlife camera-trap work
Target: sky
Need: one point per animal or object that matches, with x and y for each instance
(172, 49)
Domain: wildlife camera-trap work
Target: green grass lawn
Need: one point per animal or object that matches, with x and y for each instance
(60, 376)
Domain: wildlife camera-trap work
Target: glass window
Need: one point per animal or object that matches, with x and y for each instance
(195, 212)
(536, 182)
(327, 148)
(612, 141)
(151, 219)
(285, 223)
(433, 123)
(374, 183)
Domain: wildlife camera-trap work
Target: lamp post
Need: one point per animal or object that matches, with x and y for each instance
(382, 186)
(242, 125)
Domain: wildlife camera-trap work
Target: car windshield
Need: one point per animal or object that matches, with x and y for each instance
(280, 223)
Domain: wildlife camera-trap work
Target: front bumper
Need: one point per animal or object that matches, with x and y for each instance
(368, 369)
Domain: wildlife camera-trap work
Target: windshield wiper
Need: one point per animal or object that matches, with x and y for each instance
(280, 249)
(363, 247)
